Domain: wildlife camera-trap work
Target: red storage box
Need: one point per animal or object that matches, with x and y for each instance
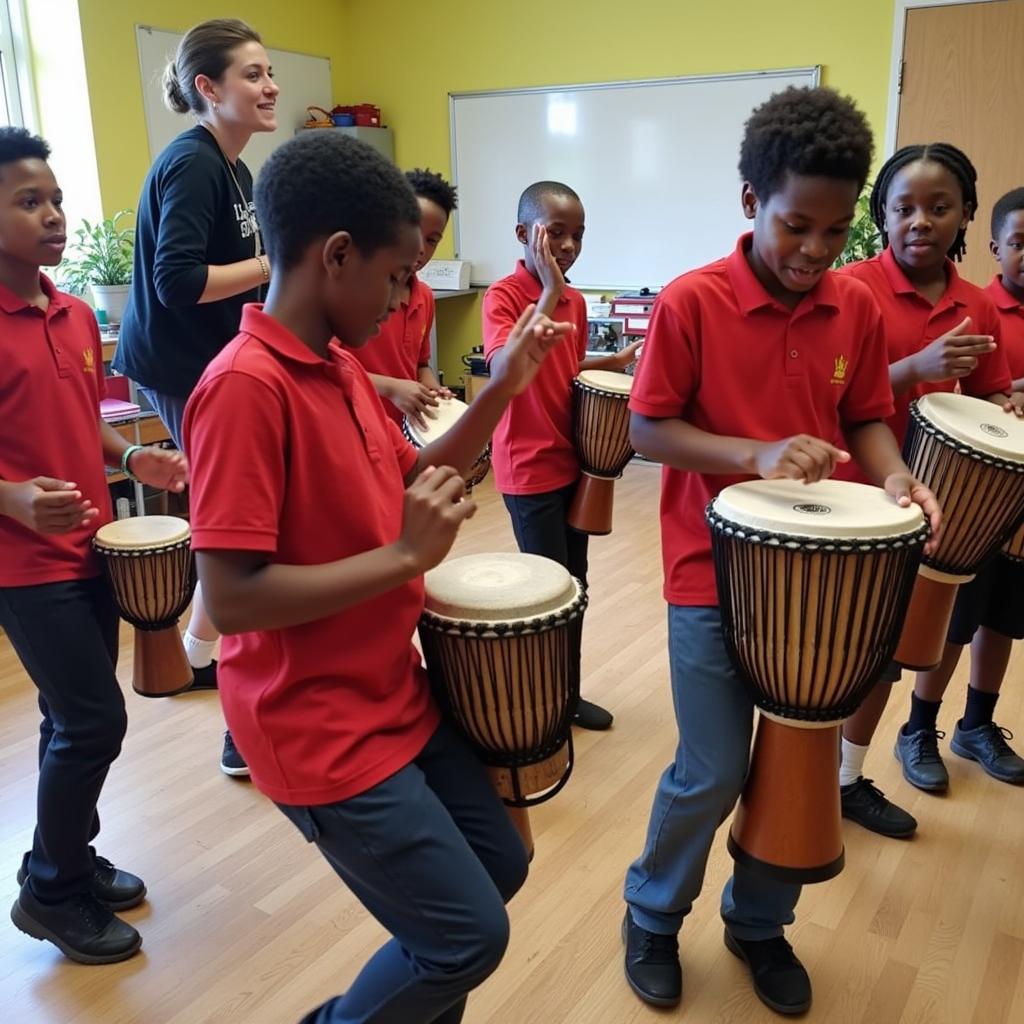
(367, 115)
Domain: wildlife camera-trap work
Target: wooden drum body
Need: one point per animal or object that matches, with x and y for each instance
(601, 430)
(446, 415)
(813, 583)
(149, 563)
(1013, 549)
(971, 454)
(501, 639)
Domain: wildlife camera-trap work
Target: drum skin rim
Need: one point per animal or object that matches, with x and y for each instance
(973, 447)
(763, 537)
(138, 544)
(594, 388)
(782, 498)
(497, 628)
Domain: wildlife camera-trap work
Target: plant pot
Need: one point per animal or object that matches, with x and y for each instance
(111, 298)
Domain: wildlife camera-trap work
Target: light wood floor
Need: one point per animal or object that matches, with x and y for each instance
(245, 922)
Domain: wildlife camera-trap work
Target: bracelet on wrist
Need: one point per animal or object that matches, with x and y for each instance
(125, 456)
(264, 267)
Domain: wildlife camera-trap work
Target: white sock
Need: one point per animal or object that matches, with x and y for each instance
(851, 768)
(199, 652)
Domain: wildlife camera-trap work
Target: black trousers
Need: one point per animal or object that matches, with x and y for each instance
(540, 523)
(66, 637)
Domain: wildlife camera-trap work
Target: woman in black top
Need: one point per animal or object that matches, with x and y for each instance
(198, 252)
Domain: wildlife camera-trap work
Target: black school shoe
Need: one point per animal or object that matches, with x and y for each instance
(114, 888)
(987, 745)
(780, 980)
(652, 964)
(204, 678)
(918, 752)
(592, 716)
(81, 927)
(863, 802)
(231, 761)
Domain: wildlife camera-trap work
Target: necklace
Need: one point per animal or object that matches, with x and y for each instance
(250, 216)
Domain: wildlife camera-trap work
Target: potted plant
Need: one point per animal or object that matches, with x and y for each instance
(865, 240)
(101, 259)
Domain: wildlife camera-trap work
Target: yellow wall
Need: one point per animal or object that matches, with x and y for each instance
(426, 50)
(112, 65)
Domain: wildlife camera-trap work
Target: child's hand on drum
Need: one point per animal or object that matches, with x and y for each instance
(953, 355)
(160, 467)
(907, 490)
(627, 355)
(47, 505)
(1013, 403)
(529, 342)
(800, 457)
(435, 508)
(414, 399)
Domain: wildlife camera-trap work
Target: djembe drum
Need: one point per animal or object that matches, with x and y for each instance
(1013, 549)
(600, 402)
(445, 416)
(501, 640)
(971, 454)
(149, 562)
(813, 582)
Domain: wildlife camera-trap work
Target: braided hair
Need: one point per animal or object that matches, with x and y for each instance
(954, 160)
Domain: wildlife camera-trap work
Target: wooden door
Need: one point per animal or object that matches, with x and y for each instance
(963, 83)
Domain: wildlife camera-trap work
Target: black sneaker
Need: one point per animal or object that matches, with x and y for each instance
(780, 980)
(918, 752)
(652, 964)
(987, 745)
(80, 927)
(592, 716)
(204, 678)
(114, 888)
(231, 761)
(864, 803)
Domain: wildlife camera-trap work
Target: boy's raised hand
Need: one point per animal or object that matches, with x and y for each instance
(800, 457)
(160, 467)
(548, 270)
(953, 355)
(435, 507)
(528, 344)
(47, 505)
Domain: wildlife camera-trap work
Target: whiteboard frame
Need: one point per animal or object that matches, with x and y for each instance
(813, 71)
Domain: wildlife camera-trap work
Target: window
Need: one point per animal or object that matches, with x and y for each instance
(15, 92)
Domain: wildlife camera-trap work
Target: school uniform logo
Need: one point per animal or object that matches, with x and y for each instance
(88, 361)
(839, 371)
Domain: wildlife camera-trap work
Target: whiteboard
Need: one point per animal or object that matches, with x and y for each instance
(304, 81)
(655, 163)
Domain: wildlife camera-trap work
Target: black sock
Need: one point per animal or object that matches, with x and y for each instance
(924, 714)
(979, 709)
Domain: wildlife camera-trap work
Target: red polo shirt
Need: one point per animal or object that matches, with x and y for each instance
(293, 456)
(532, 447)
(1011, 325)
(912, 322)
(403, 344)
(51, 385)
(722, 354)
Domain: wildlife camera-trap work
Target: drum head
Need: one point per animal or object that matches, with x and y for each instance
(830, 509)
(978, 424)
(140, 532)
(439, 420)
(499, 587)
(607, 380)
